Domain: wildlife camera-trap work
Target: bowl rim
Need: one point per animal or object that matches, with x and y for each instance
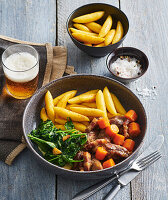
(127, 48)
(67, 22)
(73, 171)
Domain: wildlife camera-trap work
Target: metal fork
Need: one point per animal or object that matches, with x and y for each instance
(137, 165)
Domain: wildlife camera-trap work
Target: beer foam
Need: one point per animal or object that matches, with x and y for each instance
(18, 67)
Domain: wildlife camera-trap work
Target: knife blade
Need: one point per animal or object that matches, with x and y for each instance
(155, 145)
(126, 178)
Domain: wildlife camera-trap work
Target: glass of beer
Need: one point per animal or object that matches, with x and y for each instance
(21, 68)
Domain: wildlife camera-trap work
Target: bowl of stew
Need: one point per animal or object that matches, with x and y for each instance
(86, 160)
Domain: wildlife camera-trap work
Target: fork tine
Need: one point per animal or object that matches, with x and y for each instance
(149, 162)
(147, 157)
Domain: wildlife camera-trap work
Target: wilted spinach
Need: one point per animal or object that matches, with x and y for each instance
(47, 137)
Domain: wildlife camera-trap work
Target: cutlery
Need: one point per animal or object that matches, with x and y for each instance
(138, 166)
(154, 146)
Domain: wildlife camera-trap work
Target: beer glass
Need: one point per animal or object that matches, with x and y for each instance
(21, 69)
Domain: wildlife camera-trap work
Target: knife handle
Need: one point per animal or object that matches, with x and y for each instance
(112, 192)
(93, 189)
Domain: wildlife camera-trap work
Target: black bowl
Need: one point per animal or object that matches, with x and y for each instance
(82, 83)
(116, 13)
(127, 51)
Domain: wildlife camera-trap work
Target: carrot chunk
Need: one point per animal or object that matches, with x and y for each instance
(129, 144)
(108, 163)
(112, 130)
(118, 139)
(134, 129)
(100, 153)
(103, 123)
(56, 151)
(131, 115)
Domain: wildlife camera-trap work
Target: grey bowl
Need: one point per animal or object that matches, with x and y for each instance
(116, 13)
(82, 83)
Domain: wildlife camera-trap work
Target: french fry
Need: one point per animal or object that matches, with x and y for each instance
(99, 45)
(95, 27)
(56, 100)
(87, 44)
(89, 17)
(92, 112)
(108, 101)
(109, 37)
(74, 30)
(109, 115)
(85, 123)
(86, 38)
(49, 106)
(62, 127)
(100, 102)
(79, 126)
(82, 27)
(119, 108)
(76, 99)
(106, 26)
(63, 101)
(119, 33)
(43, 114)
(90, 105)
(64, 113)
(83, 98)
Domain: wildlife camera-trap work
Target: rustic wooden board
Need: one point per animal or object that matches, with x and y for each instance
(148, 32)
(83, 63)
(32, 21)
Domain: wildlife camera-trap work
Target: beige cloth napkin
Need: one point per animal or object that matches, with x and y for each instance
(56, 66)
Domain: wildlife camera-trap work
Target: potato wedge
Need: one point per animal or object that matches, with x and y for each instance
(119, 108)
(119, 33)
(63, 101)
(86, 38)
(49, 103)
(106, 27)
(62, 127)
(109, 102)
(99, 45)
(92, 112)
(64, 113)
(43, 114)
(74, 30)
(109, 37)
(89, 17)
(83, 98)
(87, 44)
(85, 123)
(90, 105)
(82, 27)
(56, 100)
(60, 121)
(95, 27)
(100, 102)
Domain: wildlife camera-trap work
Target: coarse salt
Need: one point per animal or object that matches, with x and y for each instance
(126, 67)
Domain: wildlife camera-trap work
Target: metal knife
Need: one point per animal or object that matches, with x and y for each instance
(126, 178)
(130, 175)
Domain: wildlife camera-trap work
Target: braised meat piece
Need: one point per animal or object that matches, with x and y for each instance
(92, 146)
(116, 151)
(117, 120)
(91, 136)
(96, 165)
(102, 135)
(87, 161)
(125, 128)
(78, 165)
(93, 125)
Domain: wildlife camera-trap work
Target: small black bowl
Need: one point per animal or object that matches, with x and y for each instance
(127, 51)
(116, 13)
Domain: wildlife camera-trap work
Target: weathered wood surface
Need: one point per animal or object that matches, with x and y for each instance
(148, 32)
(32, 21)
(36, 21)
(83, 63)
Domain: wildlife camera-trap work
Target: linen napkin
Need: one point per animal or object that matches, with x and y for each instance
(53, 65)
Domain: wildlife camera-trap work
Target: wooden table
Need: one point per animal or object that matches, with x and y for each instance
(45, 21)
